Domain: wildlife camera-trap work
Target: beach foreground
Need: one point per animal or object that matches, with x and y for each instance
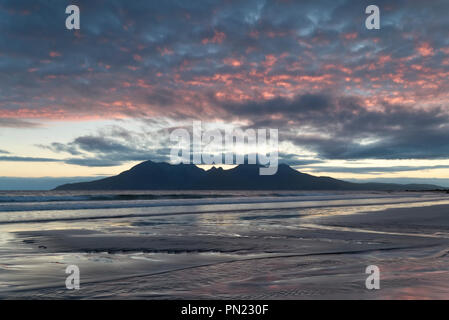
(235, 245)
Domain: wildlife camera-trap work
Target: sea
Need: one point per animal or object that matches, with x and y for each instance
(224, 244)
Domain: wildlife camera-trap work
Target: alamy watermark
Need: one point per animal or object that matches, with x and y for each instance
(231, 146)
(72, 282)
(371, 22)
(73, 20)
(373, 280)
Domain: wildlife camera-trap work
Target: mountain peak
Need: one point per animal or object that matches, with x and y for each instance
(214, 169)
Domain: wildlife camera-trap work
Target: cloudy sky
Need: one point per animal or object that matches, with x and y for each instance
(348, 102)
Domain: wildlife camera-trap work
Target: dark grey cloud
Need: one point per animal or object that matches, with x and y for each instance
(27, 159)
(17, 123)
(113, 146)
(374, 170)
(343, 128)
(62, 147)
(100, 144)
(296, 160)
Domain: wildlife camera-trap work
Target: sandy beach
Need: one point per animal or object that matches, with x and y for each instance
(297, 246)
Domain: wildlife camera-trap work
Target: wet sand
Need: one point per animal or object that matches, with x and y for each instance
(311, 253)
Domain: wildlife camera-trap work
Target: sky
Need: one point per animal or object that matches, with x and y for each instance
(351, 103)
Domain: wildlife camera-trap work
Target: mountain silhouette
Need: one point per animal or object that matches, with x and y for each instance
(151, 175)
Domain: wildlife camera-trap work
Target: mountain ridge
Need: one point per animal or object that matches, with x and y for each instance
(149, 175)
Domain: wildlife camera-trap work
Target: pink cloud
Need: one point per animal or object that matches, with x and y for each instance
(218, 37)
(54, 54)
(425, 49)
(137, 58)
(350, 36)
